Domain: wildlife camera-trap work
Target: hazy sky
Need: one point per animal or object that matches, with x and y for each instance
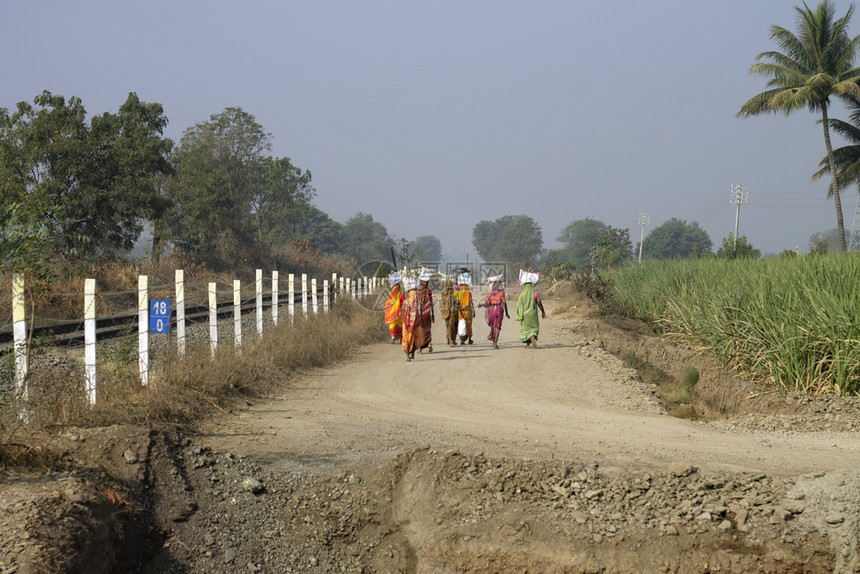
(432, 116)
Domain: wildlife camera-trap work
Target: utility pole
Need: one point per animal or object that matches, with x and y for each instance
(644, 219)
(738, 197)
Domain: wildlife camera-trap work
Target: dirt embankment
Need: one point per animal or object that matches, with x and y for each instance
(560, 459)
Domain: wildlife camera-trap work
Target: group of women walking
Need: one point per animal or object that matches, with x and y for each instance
(409, 310)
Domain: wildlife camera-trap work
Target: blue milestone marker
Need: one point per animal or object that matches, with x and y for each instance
(159, 315)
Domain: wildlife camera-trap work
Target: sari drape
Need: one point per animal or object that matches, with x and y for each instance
(527, 313)
(393, 303)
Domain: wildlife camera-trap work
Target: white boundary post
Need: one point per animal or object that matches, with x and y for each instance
(258, 287)
(348, 285)
(314, 296)
(213, 318)
(325, 295)
(237, 312)
(180, 312)
(291, 304)
(341, 281)
(305, 295)
(90, 340)
(333, 284)
(275, 298)
(19, 331)
(143, 327)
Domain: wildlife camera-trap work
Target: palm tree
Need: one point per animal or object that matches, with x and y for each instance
(816, 63)
(846, 158)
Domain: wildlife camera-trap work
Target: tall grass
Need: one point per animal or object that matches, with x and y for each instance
(793, 323)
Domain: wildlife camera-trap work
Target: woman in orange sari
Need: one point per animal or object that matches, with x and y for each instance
(449, 312)
(497, 309)
(410, 315)
(392, 308)
(426, 317)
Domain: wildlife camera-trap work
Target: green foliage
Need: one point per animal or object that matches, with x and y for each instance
(825, 241)
(789, 322)
(579, 237)
(88, 185)
(739, 249)
(515, 239)
(613, 248)
(365, 240)
(282, 202)
(320, 230)
(428, 248)
(676, 239)
(689, 380)
(221, 176)
(816, 63)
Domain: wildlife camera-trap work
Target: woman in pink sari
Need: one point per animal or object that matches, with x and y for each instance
(497, 309)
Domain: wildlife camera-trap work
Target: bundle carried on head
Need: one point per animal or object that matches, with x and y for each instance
(528, 277)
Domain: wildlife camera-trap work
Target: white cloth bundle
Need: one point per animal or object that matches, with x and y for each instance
(410, 283)
(393, 279)
(528, 277)
(464, 278)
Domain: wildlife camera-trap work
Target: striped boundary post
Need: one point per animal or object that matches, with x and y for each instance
(291, 289)
(90, 340)
(305, 295)
(275, 298)
(258, 287)
(325, 295)
(180, 312)
(213, 318)
(143, 328)
(237, 312)
(19, 331)
(314, 305)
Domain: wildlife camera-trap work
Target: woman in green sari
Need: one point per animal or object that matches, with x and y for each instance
(528, 304)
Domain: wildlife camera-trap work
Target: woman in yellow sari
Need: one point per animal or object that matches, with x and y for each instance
(466, 309)
(393, 304)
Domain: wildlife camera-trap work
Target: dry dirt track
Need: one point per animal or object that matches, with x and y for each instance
(566, 400)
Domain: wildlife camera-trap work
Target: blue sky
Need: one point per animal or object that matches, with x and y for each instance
(433, 116)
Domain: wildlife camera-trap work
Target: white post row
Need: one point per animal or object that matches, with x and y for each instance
(213, 318)
(325, 295)
(305, 295)
(19, 332)
(258, 286)
(237, 312)
(180, 312)
(314, 295)
(143, 327)
(291, 304)
(90, 340)
(275, 298)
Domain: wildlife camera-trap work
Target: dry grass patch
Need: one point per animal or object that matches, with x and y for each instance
(183, 392)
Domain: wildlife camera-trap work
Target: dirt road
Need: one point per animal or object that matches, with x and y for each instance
(565, 400)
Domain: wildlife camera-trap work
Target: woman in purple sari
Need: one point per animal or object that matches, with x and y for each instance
(497, 309)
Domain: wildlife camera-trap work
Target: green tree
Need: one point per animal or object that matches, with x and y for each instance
(515, 239)
(740, 249)
(815, 63)
(365, 240)
(612, 249)
(320, 230)
(428, 248)
(283, 201)
(824, 241)
(676, 238)
(579, 236)
(90, 185)
(220, 174)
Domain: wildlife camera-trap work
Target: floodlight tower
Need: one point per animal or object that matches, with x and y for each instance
(644, 220)
(739, 197)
